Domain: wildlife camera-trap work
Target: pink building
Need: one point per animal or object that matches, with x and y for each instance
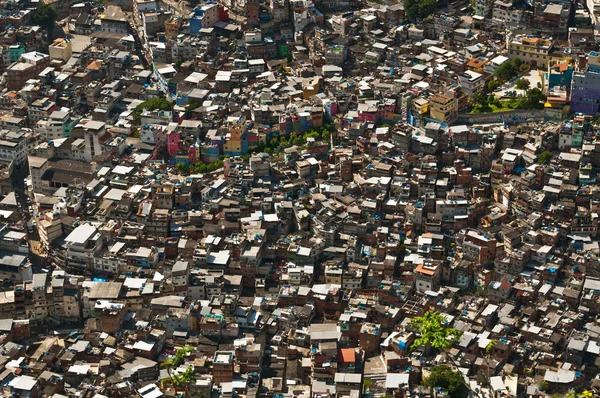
(367, 112)
(334, 108)
(193, 154)
(375, 111)
(173, 139)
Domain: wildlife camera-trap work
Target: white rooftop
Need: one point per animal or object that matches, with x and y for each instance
(81, 234)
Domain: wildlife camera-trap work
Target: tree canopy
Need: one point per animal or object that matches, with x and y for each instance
(177, 359)
(150, 105)
(45, 16)
(492, 85)
(508, 69)
(432, 332)
(191, 105)
(443, 376)
(181, 379)
(522, 84)
(535, 96)
(544, 157)
(414, 9)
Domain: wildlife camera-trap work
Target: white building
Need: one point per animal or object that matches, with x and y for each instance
(495, 62)
(471, 82)
(504, 14)
(13, 146)
(483, 8)
(82, 244)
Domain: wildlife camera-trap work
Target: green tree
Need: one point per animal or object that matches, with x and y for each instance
(175, 360)
(443, 376)
(299, 139)
(313, 134)
(414, 9)
(191, 105)
(492, 85)
(522, 84)
(508, 69)
(181, 379)
(150, 105)
(183, 168)
(544, 157)
(535, 96)
(480, 99)
(45, 16)
(432, 332)
(534, 99)
(202, 167)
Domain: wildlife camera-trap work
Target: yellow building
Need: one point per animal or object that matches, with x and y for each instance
(311, 87)
(443, 108)
(420, 106)
(536, 51)
(60, 49)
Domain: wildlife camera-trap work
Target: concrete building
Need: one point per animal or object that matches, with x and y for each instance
(27, 67)
(443, 108)
(534, 50)
(61, 49)
(585, 89)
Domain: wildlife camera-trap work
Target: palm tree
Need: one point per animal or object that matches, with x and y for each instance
(181, 379)
(432, 332)
(185, 377)
(175, 360)
(168, 364)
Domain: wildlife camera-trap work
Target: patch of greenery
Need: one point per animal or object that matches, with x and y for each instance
(191, 105)
(522, 84)
(273, 147)
(200, 167)
(492, 85)
(414, 9)
(544, 157)
(45, 16)
(508, 69)
(432, 331)
(443, 376)
(150, 105)
(488, 104)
